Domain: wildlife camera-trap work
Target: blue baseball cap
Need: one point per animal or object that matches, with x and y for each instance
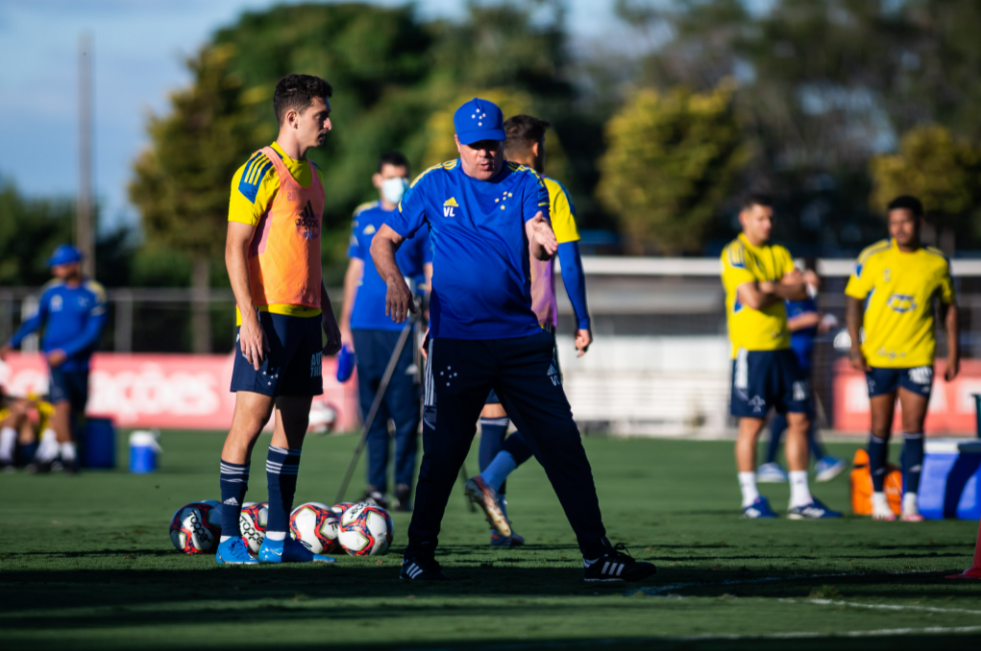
(478, 119)
(64, 254)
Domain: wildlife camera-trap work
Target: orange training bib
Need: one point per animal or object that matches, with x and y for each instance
(284, 256)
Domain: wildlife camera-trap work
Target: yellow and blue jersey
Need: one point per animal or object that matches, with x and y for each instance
(72, 318)
(898, 289)
(481, 277)
(562, 213)
(254, 186)
(742, 263)
(368, 311)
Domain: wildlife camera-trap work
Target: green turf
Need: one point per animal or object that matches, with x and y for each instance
(86, 562)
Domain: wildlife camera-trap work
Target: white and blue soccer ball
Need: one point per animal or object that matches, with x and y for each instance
(252, 523)
(315, 525)
(196, 527)
(366, 530)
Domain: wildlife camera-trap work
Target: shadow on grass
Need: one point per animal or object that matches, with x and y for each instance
(224, 587)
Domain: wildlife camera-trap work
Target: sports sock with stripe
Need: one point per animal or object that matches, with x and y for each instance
(878, 455)
(234, 483)
(912, 461)
(282, 467)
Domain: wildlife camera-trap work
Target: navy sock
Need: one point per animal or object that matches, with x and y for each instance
(234, 484)
(492, 431)
(282, 467)
(778, 424)
(912, 461)
(515, 444)
(878, 456)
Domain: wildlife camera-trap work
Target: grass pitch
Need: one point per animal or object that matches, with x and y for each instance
(86, 562)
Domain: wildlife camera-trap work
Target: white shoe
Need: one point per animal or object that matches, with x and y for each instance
(880, 513)
(911, 510)
(771, 473)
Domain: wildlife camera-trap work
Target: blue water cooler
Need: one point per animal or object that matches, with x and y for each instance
(144, 448)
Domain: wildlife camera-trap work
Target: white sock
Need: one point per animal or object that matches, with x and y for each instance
(48, 449)
(224, 538)
(800, 493)
(276, 535)
(8, 441)
(880, 503)
(68, 451)
(498, 469)
(910, 506)
(747, 483)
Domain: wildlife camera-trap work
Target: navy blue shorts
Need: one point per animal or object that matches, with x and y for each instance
(292, 365)
(762, 379)
(918, 379)
(72, 386)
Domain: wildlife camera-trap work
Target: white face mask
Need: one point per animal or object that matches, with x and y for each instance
(393, 189)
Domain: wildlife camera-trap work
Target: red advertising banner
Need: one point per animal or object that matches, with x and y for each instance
(167, 391)
(951, 409)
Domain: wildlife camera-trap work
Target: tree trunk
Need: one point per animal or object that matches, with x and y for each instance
(200, 307)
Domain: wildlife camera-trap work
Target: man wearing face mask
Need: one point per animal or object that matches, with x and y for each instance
(373, 336)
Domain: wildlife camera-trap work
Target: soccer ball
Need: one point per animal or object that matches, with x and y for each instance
(315, 525)
(366, 530)
(340, 508)
(252, 522)
(323, 417)
(196, 528)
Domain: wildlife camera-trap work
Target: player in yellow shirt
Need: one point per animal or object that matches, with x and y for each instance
(891, 296)
(272, 252)
(758, 277)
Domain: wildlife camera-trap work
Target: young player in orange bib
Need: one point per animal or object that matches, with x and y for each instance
(273, 257)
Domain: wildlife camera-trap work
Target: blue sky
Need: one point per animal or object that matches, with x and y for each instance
(139, 48)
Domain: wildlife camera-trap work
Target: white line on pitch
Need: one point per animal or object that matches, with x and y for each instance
(707, 637)
(855, 604)
(661, 589)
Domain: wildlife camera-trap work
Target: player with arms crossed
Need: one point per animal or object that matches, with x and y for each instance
(758, 278)
(273, 257)
(485, 217)
(499, 457)
(891, 296)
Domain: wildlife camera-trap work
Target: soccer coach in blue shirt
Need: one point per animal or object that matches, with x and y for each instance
(72, 311)
(485, 216)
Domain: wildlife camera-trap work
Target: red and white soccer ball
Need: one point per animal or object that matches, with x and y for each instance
(196, 527)
(341, 507)
(316, 526)
(323, 417)
(253, 522)
(366, 530)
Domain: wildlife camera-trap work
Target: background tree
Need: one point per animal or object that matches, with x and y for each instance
(942, 171)
(439, 131)
(671, 162)
(181, 183)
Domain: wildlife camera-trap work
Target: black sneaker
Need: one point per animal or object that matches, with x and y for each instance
(617, 565)
(418, 567)
(70, 467)
(403, 496)
(39, 467)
